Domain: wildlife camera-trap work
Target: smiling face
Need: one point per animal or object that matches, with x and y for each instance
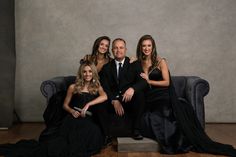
(119, 50)
(147, 47)
(103, 46)
(87, 74)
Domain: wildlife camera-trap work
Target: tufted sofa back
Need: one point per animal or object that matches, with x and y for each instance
(192, 89)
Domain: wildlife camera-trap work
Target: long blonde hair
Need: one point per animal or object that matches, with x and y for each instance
(80, 83)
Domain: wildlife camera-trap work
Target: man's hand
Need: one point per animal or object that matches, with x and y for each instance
(128, 95)
(118, 107)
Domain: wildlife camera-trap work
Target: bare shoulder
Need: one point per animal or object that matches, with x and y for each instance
(100, 88)
(71, 88)
(161, 62)
(101, 91)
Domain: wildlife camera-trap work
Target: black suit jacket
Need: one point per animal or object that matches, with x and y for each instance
(130, 77)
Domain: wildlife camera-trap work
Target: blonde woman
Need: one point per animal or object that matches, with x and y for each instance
(78, 134)
(82, 134)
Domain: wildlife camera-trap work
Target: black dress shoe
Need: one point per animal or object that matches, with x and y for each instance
(107, 141)
(137, 135)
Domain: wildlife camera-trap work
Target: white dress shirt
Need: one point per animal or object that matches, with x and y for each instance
(117, 65)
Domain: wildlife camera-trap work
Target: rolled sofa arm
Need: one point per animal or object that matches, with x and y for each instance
(56, 84)
(196, 89)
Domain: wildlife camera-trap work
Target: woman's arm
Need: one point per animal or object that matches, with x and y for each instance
(100, 99)
(165, 74)
(67, 100)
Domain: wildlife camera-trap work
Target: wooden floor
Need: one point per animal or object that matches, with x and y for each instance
(224, 133)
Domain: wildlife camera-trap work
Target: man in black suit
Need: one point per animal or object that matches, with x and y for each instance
(123, 87)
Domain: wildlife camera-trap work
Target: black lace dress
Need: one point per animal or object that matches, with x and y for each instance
(76, 137)
(173, 123)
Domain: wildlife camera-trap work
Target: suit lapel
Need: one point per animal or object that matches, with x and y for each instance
(114, 71)
(126, 65)
(124, 70)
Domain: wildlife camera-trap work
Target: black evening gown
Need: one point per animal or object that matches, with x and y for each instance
(76, 137)
(174, 125)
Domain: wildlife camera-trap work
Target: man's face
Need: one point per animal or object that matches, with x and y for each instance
(119, 50)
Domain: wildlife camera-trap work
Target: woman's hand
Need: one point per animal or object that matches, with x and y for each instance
(75, 114)
(83, 112)
(145, 76)
(132, 59)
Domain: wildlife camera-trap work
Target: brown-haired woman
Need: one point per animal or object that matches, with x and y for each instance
(168, 120)
(100, 53)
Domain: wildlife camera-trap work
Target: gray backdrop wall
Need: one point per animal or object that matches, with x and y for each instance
(196, 37)
(7, 62)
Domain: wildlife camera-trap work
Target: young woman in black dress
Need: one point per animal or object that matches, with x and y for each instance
(168, 120)
(78, 134)
(100, 53)
(83, 134)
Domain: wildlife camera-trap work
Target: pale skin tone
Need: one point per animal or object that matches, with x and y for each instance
(162, 66)
(101, 59)
(87, 75)
(102, 49)
(119, 53)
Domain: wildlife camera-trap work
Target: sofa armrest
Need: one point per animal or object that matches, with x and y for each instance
(52, 86)
(196, 89)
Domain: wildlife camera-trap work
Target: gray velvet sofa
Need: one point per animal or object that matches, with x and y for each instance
(191, 88)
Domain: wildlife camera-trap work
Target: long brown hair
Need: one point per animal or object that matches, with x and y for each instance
(96, 46)
(139, 54)
(80, 83)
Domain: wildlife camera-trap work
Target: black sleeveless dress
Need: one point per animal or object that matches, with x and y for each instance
(173, 123)
(82, 135)
(76, 137)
